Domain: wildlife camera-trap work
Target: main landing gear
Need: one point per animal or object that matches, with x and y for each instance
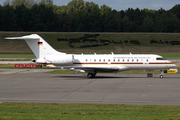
(150, 73)
(91, 75)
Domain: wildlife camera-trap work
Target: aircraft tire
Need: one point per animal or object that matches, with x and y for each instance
(161, 76)
(90, 75)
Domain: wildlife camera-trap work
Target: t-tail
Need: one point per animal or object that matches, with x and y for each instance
(44, 52)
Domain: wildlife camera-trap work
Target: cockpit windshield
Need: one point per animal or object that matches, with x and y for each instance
(161, 59)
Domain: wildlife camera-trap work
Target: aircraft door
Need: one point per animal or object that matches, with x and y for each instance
(146, 61)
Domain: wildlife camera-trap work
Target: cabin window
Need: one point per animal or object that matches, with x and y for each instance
(109, 60)
(99, 60)
(118, 60)
(86, 60)
(160, 59)
(104, 60)
(137, 60)
(132, 60)
(147, 60)
(123, 60)
(114, 60)
(94, 60)
(128, 60)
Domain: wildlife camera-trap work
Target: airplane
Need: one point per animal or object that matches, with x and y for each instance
(94, 63)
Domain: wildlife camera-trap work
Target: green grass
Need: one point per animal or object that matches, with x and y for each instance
(19, 46)
(8, 66)
(17, 55)
(53, 111)
(170, 55)
(31, 55)
(143, 38)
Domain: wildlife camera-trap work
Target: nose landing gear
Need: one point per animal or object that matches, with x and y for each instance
(161, 75)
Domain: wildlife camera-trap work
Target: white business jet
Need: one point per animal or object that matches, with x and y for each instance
(93, 64)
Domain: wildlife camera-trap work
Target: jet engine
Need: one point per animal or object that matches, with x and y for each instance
(62, 60)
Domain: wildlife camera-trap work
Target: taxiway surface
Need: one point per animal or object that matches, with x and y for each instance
(34, 85)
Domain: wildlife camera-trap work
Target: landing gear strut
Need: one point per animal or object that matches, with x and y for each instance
(149, 73)
(161, 75)
(91, 75)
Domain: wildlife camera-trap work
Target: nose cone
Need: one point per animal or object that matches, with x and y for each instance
(173, 65)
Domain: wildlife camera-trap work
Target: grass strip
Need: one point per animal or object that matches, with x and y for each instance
(40, 111)
(29, 55)
(170, 55)
(60, 71)
(17, 55)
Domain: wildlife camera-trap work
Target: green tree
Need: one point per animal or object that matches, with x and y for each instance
(90, 17)
(75, 6)
(105, 9)
(36, 17)
(27, 3)
(7, 2)
(47, 2)
(148, 24)
(176, 10)
(43, 18)
(112, 22)
(8, 19)
(1, 15)
(21, 17)
(165, 23)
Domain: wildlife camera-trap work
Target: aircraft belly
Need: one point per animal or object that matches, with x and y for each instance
(94, 68)
(115, 67)
(144, 67)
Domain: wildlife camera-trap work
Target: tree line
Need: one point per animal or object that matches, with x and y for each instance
(82, 16)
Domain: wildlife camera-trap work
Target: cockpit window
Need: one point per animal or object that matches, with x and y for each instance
(160, 59)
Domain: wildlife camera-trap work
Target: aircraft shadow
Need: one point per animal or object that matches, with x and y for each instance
(108, 77)
(97, 77)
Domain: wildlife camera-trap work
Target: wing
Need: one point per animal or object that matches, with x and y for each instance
(99, 69)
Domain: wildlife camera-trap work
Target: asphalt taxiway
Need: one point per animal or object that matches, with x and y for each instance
(34, 85)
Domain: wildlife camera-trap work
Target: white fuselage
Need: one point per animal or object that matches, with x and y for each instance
(118, 62)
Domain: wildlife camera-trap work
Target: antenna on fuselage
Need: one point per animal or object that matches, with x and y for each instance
(112, 53)
(94, 53)
(130, 53)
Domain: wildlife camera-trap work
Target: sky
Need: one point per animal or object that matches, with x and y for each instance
(125, 4)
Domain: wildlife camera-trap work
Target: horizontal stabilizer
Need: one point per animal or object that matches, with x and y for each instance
(28, 37)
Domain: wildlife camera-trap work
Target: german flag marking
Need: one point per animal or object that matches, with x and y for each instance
(40, 43)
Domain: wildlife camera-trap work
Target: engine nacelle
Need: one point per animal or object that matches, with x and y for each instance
(62, 60)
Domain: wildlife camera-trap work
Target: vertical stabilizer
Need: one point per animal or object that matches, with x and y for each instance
(41, 49)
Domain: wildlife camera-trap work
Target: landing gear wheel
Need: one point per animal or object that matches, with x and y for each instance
(90, 75)
(161, 76)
